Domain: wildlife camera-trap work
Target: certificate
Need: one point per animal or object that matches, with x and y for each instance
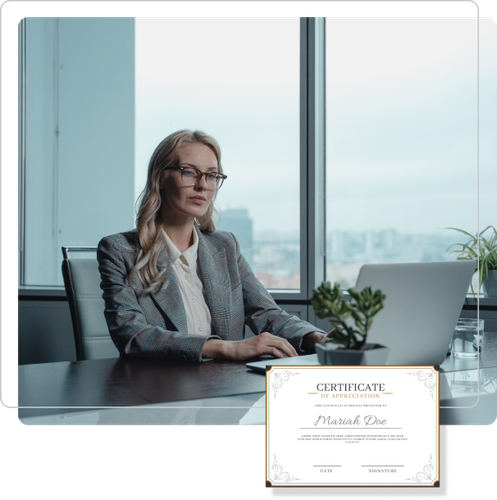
(352, 426)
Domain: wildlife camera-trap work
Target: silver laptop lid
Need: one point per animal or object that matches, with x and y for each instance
(422, 305)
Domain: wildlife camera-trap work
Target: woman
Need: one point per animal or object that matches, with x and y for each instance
(176, 288)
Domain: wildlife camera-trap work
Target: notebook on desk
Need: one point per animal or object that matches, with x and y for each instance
(422, 305)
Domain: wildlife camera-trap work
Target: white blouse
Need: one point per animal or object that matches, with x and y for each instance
(187, 270)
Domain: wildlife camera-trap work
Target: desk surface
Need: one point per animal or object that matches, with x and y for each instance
(69, 387)
(130, 382)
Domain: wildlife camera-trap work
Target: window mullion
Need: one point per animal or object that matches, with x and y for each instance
(312, 159)
(316, 188)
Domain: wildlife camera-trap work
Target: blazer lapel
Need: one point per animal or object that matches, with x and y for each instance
(168, 299)
(216, 280)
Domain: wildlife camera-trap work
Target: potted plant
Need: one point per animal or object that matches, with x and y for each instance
(329, 302)
(487, 257)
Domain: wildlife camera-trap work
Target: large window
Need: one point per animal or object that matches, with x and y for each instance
(238, 80)
(402, 139)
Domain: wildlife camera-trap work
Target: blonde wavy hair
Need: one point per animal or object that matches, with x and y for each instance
(148, 268)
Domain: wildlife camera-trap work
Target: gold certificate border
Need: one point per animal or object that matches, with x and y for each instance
(435, 483)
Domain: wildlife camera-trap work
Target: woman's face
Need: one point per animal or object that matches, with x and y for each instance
(181, 203)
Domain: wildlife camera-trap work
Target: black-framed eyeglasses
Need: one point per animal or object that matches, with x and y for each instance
(191, 175)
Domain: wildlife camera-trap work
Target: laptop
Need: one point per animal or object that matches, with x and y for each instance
(423, 303)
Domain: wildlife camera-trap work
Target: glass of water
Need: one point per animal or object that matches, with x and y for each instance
(467, 339)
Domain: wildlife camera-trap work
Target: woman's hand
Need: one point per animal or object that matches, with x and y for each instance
(239, 350)
(310, 340)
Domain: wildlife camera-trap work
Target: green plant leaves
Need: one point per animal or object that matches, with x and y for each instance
(480, 249)
(328, 302)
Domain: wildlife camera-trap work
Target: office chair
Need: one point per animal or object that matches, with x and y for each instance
(82, 284)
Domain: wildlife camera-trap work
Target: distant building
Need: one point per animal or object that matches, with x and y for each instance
(238, 222)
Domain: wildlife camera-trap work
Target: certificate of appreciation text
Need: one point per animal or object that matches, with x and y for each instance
(352, 426)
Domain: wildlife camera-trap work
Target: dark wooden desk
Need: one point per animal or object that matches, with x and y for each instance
(69, 387)
(131, 382)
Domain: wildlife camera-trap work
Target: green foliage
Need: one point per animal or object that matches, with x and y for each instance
(328, 302)
(480, 249)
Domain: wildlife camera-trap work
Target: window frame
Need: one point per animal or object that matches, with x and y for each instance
(22, 152)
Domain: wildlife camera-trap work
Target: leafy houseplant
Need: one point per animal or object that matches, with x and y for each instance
(487, 257)
(329, 302)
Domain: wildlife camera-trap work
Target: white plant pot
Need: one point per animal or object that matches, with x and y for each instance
(490, 284)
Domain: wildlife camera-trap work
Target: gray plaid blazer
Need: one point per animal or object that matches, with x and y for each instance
(154, 324)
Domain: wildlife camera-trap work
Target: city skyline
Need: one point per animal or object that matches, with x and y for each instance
(275, 255)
